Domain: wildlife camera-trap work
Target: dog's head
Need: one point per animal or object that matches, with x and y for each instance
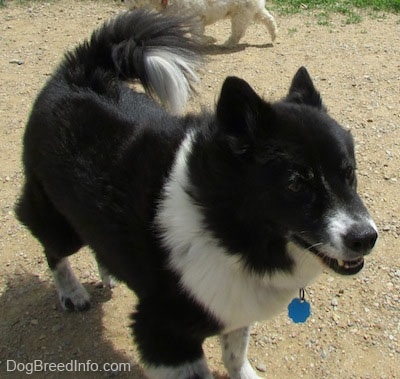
(283, 173)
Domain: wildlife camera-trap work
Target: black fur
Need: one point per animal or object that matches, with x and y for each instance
(97, 155)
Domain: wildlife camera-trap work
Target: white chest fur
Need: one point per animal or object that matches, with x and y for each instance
(217, 280)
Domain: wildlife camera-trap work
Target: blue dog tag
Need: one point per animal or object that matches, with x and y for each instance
(299, 309)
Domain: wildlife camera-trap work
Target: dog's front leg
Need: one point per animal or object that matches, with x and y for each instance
(234, 354)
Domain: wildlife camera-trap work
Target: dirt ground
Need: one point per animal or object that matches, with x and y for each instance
(354, 329)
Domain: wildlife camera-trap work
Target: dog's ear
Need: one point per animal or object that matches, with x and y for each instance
(302, 90)
(239, 110)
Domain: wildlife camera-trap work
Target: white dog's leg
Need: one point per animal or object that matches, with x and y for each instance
(240, 23)
(234, 354)
(71, 293)
(268, 20)
(199, 30)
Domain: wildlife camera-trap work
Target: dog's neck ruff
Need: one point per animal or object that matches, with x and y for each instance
(217, 280)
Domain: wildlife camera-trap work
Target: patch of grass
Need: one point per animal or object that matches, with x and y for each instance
(348, 8)
(351, 16)
(323, 18)
(295, 6)
(26, 2)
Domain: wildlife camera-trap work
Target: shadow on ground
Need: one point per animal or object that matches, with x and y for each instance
(36, 321)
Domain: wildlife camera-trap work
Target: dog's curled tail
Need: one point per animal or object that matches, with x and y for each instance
(159, 50)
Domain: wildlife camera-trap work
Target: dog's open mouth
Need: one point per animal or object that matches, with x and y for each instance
(342, 267)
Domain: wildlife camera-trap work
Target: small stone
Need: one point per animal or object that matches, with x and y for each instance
(262, 367)
(19, 62)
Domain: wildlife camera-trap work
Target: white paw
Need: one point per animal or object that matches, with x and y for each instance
(230, 42)
(207, 40)
(74, 299)
(197, 369)
(109, 281)
(245, 372)
(106, 278)
(72, 294)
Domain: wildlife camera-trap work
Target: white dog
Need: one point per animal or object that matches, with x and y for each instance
(241, 12)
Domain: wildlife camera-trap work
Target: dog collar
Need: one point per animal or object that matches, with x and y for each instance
(299, 309)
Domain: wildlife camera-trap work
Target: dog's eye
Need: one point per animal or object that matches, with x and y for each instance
(300, 188)
(349, 174)
(296, 186)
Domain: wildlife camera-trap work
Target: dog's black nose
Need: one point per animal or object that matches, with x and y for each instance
(361, 239)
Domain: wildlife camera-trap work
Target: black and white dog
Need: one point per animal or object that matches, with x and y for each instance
(214, 220)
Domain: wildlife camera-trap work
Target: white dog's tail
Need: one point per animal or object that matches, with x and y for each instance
(156, 49)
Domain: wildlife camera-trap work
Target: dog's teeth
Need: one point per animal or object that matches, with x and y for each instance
(340, 262)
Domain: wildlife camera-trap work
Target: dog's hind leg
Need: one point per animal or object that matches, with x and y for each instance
(36, 211)
(72, 294)
(268, 20)
(239, 26)
(199, 31)
(106, 278)
(234, 354)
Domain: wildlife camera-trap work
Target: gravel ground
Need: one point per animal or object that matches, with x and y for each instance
(354, 329)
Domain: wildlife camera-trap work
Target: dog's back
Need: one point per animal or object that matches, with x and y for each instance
(85, 140)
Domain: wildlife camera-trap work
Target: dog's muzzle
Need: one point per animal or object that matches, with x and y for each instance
(358, 241)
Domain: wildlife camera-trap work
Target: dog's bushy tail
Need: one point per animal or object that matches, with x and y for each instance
(159, 50)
